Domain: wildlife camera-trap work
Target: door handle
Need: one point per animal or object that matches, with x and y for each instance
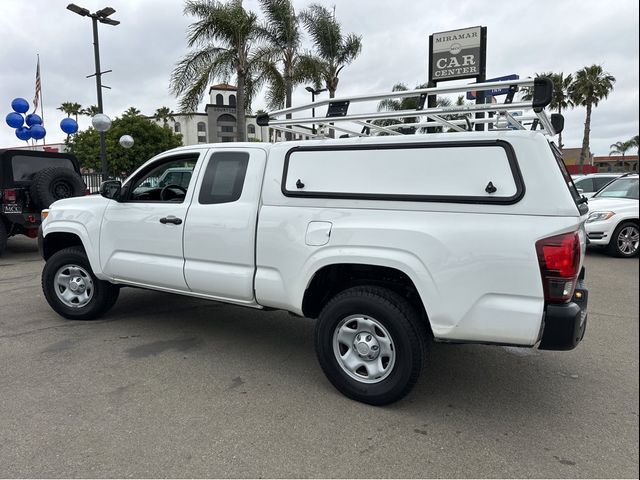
(171, 219)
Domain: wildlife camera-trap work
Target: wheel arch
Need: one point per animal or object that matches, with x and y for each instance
(331, 279)
(68, 234)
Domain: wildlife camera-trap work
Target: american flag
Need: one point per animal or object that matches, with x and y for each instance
(36, 98)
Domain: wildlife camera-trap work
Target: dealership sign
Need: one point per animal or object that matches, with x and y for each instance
(458, 54)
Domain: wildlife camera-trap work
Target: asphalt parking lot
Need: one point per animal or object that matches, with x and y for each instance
(168, 386)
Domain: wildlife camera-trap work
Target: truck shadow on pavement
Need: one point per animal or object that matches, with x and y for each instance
(475, 378)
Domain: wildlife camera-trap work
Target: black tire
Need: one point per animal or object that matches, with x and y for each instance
(55, 183)
(622, 249)
(3, 236)
(405, 327)
(103, 294)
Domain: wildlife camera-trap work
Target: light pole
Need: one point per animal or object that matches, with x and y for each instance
(313, 93)
(102, 17)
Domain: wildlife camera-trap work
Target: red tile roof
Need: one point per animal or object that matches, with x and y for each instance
(223, 86)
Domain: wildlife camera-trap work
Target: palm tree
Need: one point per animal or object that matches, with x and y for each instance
(635, 142)
(226, 37)
(394, 105)
(591, 85)
(560, 100)
(131, 112)
(282, 30)
(90, 111)
(410, 103)
(621, 148)
(334, 51)
(71, 108)
(164, 114)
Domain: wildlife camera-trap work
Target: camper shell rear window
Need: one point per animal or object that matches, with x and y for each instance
(451, 172)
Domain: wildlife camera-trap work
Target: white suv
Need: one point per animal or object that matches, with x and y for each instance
(613, 217)
(589, 184)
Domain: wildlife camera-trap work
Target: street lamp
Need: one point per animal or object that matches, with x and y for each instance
(313, 93)
(102, 17)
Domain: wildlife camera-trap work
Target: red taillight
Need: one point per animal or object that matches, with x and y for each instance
(559, 259)
(87, 191)
(10, 195)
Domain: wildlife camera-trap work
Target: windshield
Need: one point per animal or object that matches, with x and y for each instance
(621, 188)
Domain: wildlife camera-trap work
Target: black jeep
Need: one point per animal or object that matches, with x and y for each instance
(31, 181)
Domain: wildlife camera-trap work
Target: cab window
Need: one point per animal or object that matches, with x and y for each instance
(167, 182)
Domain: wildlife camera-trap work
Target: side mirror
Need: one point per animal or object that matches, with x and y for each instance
(111, 189)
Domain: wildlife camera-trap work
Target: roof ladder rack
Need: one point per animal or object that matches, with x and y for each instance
(456, 118)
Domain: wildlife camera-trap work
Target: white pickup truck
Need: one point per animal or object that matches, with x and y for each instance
(386, 241)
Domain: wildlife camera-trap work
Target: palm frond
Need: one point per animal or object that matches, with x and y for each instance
(192, 65)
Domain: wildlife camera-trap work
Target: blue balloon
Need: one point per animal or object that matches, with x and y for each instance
(33, 119)
(69, 126)
(14, 120)
(37, 132)
(23, 133)
(20, 105)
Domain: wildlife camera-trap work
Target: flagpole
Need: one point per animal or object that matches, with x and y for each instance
(44, 140)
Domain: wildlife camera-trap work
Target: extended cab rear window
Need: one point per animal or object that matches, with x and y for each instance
(224, 178)
(24, 167)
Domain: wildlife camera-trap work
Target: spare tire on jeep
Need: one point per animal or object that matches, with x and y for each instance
(55, 183)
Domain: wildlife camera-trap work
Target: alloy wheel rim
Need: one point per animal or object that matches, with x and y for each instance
(363, 348)
(628, 240)
(73, 286)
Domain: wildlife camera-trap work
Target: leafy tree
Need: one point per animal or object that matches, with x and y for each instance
(71, 108)
(333, 50)
(561, 99)
(591, 85)
(227, 40)
(164, 114)
(149, 140)
(90, 111)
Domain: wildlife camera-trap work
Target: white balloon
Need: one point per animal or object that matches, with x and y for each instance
(101, 122)
(126, 141)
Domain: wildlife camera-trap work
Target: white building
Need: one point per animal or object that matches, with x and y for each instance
(219, 121)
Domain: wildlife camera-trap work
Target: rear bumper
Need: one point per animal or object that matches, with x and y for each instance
(25, 219)
(565, 324)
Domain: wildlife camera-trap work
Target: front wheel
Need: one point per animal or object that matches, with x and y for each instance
(370, 344)
(72, 289)
(625, 240)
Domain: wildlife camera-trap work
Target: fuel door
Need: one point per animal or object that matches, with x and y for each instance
(318, 233)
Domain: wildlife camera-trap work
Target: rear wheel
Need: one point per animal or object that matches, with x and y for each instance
(370, 344)
(72, 289)
(625, 240)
